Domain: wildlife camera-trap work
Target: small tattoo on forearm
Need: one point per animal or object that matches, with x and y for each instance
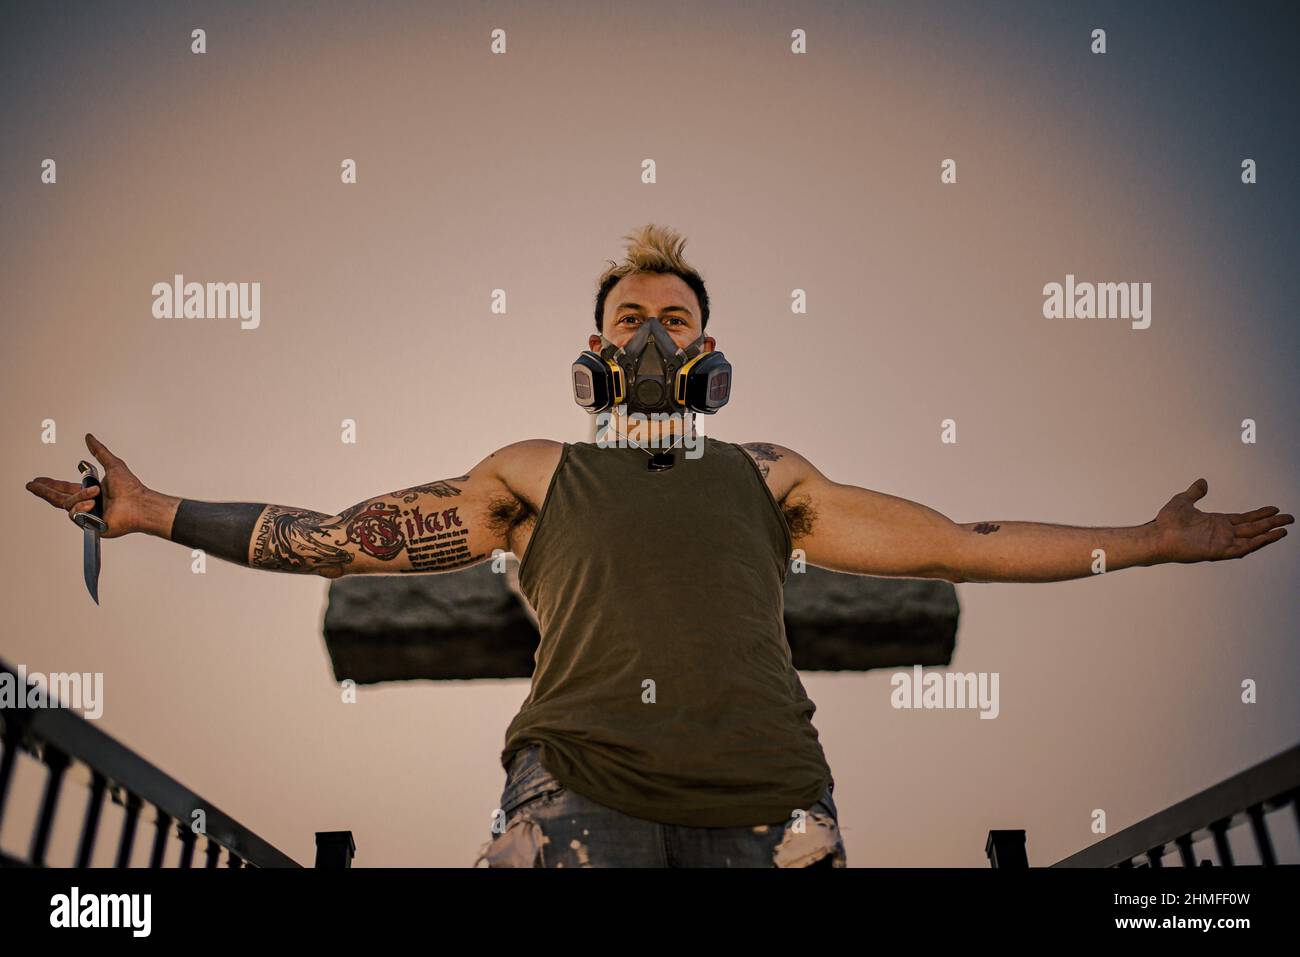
(985, 528)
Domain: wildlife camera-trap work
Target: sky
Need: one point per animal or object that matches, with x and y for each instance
(521, 171)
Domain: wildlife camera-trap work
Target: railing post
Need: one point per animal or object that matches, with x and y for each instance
(187, 838)
(57, 763)
(126, 843)
(334, 850)
(1006, 849)
(1259, 827)
(161, 826)
(15, 721)
(90, 827)
(1221, 846)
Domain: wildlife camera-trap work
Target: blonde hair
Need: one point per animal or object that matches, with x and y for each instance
(652, 249)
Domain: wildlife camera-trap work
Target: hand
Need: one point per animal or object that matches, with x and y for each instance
(1189, 535)
(124, 494)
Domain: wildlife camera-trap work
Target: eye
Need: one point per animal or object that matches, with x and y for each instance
(667, 320)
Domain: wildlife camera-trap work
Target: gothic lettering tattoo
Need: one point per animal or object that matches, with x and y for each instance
(986, 528)
(372, 526)
(300, 540)
(278, 538)
(438, 540)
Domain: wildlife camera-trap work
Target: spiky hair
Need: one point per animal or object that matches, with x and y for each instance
(652, 248)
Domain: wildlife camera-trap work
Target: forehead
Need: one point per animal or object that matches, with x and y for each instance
(653, 291)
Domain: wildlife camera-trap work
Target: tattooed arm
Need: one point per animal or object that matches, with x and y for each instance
(850, 529)
(436, 527)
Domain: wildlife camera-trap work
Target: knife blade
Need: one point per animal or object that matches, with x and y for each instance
(92, 525)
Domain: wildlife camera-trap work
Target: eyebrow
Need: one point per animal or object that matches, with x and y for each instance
(636, 305)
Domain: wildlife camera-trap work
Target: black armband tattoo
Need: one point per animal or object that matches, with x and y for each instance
(223, 529)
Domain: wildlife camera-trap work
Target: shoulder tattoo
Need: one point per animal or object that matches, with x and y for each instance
(763, 453)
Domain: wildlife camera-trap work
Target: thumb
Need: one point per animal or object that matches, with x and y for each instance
(1196, 491)
(101, 452)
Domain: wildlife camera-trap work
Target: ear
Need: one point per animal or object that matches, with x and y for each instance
(593, 343)
(708, 344)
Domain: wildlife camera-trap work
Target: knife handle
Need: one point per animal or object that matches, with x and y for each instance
(92, 520)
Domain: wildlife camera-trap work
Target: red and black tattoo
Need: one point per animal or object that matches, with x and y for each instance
(277, 538)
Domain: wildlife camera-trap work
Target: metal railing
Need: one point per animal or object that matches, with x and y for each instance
(1242, 800)
(61, 740)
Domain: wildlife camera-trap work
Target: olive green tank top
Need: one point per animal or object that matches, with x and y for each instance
(663, 685)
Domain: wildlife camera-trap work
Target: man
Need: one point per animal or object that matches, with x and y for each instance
(665, 724)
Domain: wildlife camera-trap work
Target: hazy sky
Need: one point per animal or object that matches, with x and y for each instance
(521, 172)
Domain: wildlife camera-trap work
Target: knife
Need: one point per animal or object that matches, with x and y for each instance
(92, 525)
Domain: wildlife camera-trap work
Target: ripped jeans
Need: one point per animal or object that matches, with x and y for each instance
(541, 823)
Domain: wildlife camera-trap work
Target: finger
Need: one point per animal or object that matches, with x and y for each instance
(1251, 529)
(58, 485)
(101, 452)
(1196, 491)
(78, 508)
(1253, 516)
(52, 490)
(1255, 544)
(82, 495)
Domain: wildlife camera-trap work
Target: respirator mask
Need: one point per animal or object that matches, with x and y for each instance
(651, 374)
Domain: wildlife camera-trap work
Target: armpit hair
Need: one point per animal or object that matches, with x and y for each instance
(800, 516)
(506, 513)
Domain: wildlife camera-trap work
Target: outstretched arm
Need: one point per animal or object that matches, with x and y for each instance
(440, 526)
(850, 529)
